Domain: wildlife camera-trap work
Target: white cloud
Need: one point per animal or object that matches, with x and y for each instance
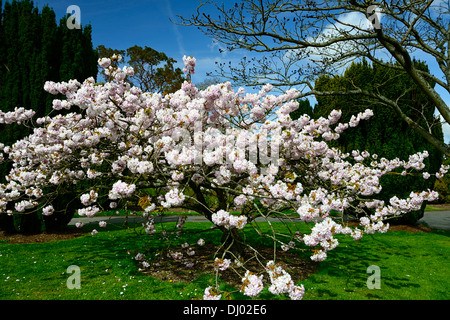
(446, 130)
(215, 46)
(350, 23)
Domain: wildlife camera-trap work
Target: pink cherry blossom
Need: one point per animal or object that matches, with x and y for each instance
(252, 284)
(189, 64)
(222, 264)
(121, 189)
(211, 294)
(48, 210)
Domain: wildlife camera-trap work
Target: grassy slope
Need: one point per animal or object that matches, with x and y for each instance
(413, 266)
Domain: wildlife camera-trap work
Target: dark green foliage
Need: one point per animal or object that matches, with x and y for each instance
(35, 49)
(78, 57)
(385, 134)
(65, 206)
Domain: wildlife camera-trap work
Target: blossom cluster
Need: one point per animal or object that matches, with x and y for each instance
(211, 294)
(442, 171)
(322, 234)
(121, 189)
(89, 198)
(173, 198)
(225, 219)
(17, 116)
(252, 284)
(189, 65)
(89, 211)
(222, 264)
(281, 282)
(48, 210)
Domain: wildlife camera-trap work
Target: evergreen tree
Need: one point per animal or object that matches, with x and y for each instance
(34, 49)
(48, 60)
(78, 57)
(11, 85)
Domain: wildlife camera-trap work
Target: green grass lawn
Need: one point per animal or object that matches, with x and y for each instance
(432, 208)
(412, 265)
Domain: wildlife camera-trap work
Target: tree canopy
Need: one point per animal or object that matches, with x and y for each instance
(385, 135)
(154, 71)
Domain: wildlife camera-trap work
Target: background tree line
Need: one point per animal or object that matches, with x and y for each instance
(34, 49)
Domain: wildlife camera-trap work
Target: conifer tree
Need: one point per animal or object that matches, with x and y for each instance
(35, 49)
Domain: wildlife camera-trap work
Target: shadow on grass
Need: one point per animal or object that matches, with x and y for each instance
(404, 263)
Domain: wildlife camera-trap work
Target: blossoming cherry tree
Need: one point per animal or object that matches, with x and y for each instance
(213, 151)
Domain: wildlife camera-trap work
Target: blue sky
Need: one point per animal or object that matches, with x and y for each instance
(123, 24)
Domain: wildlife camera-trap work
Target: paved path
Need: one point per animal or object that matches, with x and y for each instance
(437, 219)
(122, 219)
(433, 219)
